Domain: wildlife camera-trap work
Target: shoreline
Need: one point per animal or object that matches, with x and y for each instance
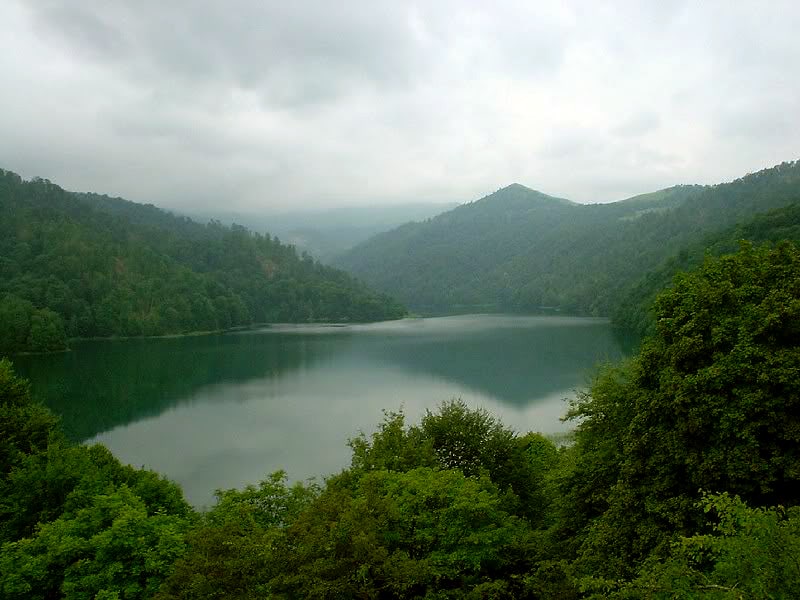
(255, 326)
(186, 334)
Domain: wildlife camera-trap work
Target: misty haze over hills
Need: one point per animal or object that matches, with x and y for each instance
(327, 233)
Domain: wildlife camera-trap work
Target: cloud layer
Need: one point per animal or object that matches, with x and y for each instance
(259, 105)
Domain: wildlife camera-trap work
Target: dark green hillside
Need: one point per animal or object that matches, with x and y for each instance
(83, 265)
(634, 312)
(433, 262)
(521, 250)
(658, 201)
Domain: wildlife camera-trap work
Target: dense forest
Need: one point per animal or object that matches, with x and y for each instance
(681, 481)
(520, 250)
(85, 265)
(633, 313)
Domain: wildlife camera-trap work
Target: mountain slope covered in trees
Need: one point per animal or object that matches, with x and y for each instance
(634, 312)
(518, 249)
(84, 265)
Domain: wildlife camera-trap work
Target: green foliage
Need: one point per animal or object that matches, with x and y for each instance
(520, 250)
(74, 522)
(590, 468)
(422, 533)
(711, 402)
(230, 552)
(110, 547)
(470, 441)
(748, 553)
(15, 323)
(82, 265)
(634, 312)
(727, 352)
(47, 332)
(25, 328)
(392, 447)
(14, 392)
(63, 479)
(25, 427)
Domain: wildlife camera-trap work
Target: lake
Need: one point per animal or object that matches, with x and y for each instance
(220, 411)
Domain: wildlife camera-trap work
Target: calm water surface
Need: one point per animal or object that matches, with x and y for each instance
(222, 411)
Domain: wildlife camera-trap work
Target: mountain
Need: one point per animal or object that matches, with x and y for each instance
(327, 233)
(520, 250)
(440, 262)
(634, 313)
(85, 265)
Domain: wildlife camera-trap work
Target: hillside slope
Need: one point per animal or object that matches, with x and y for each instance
(84, 265)
(634, 312)
(518, 249)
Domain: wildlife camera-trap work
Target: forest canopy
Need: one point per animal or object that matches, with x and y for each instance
(634, 313)
(84, 265)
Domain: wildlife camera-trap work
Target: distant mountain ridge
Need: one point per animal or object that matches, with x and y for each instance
(327, 233)
(521, 250)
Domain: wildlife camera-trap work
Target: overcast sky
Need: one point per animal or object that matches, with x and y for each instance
(275, 105)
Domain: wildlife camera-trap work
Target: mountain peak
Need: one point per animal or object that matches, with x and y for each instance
(517, 186)
(518, 193)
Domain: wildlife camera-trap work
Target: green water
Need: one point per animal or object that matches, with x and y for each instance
(221, 411)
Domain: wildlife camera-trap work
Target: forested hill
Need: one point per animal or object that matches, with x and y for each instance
(449, 260)
(84, 265)
(518, 249)
(635, 311)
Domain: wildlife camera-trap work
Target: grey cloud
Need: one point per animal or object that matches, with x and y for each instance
(759, 122)
(263, 105)
(638, 125)
(290, 52)
(570, 145)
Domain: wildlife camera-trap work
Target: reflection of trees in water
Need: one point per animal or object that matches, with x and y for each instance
(513, 365)
(105, 384)
(101, 385)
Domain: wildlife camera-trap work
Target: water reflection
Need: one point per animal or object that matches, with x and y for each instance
(221, 411)
(103, 384)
